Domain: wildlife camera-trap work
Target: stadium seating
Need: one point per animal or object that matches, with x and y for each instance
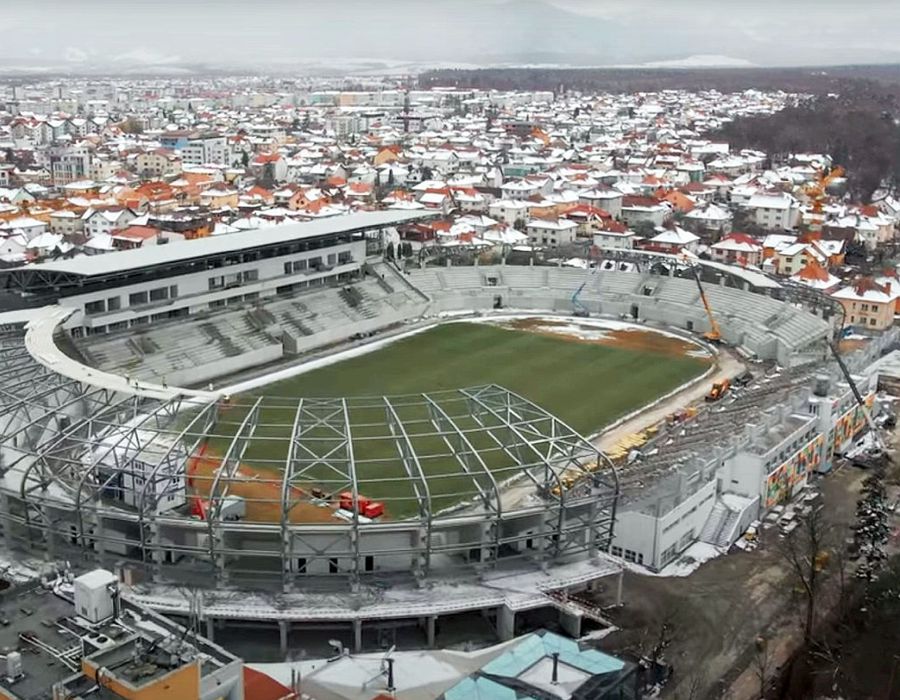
(763, 325)
(158, 352)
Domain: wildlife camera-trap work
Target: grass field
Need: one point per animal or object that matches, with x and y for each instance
(588, 385)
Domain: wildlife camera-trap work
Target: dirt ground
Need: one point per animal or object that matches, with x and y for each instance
(633, 339)
(260, 489)
(717, 612)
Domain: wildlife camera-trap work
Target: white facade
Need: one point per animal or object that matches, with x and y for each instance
(141, 469)
(198, 292)
(551, 232)
(774, 212)
(655, 540)
(615, 240)
(206, 149)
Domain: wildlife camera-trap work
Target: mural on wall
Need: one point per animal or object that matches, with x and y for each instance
(851, 423)
(786, 478)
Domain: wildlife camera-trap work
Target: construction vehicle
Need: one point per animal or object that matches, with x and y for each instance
(714, 334)
(878, 454)
(578, 308)
(681, 415)
(366, 506)
(719, 389)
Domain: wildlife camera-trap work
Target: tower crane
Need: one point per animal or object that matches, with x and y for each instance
(816, 192)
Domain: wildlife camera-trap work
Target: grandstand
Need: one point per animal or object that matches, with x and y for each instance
(247, 334)
(540, 525)
(223, 341)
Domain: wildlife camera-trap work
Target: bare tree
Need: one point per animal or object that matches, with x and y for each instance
(806, 551)
(762, 664)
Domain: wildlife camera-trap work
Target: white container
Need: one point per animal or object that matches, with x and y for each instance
(94, 595)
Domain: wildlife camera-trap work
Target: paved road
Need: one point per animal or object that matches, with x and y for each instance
(728, 365)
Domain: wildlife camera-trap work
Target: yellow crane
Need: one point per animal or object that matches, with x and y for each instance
(714, 334)
(817, 194)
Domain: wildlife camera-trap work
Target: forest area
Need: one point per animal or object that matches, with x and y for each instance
(857, 127)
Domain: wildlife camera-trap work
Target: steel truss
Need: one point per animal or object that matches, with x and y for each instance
(65, 446)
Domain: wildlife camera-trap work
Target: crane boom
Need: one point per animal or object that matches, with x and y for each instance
(859, 397)
(715, 333)
(578, 306)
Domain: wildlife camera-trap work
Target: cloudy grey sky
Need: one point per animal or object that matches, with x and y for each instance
(593, 32)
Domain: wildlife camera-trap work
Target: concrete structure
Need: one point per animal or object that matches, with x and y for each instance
(56, 649)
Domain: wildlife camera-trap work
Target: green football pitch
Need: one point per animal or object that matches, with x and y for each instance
(587, 385)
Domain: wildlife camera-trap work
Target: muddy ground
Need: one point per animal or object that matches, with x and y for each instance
(717, 612)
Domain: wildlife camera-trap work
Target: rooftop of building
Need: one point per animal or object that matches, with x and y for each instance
(141, 258)
(40, 621)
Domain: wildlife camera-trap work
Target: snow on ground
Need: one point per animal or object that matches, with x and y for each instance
(690, 560)
(585, 328)
(19, 570)
(735, 502)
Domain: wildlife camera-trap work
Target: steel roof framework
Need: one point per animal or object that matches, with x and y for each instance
(66, 442)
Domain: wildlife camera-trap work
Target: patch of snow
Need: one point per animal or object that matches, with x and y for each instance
(690, 560)
(702, 61)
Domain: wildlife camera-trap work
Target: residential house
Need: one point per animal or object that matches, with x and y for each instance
(608, 199)
(202, 149)
(711, 219)
(100, 221)
(642, 210)
(816, 276)
(219, 197)
(774, 211)
(551, 232)
(614, 239)
(26, 225)
(673, 240)
(66, 223)
(737, 248)
(868, 304)
(269, 168)
(509, 211)
(160, 162)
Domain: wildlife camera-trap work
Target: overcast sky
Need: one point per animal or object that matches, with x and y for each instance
(597, 32)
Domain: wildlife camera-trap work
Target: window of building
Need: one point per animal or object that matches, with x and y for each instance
(865, 307)
(300, 265)
(216, 282)
(616, 551)
(344, 257)
(137, 298)
(113, 304)
(630, 555)
(173, 291)
(332, 259)
(95, 307)
(332, 566)
(871, 321)
(159, 294)
(288, 268)
(315, 263)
